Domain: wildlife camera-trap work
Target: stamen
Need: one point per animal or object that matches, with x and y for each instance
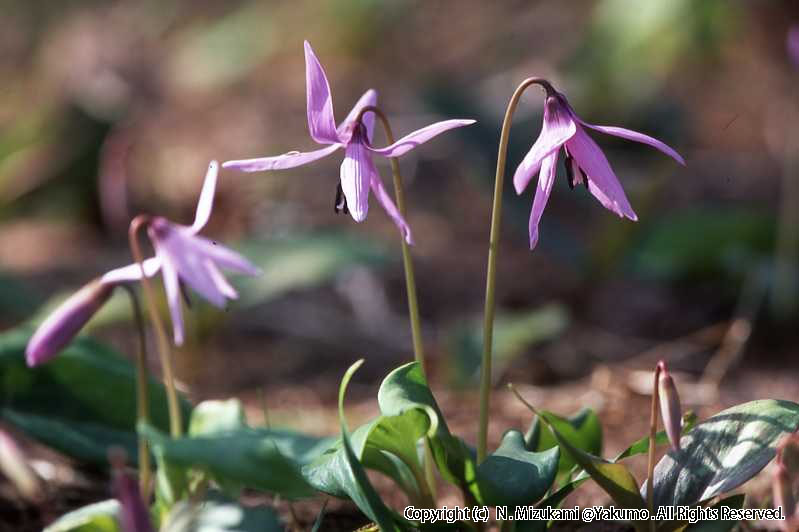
(340, 205)
(567, 163)
(585, 178)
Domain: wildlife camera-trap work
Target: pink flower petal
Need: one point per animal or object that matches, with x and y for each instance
(356, 175)
(345, 130)
(219, 280)
(602, 182)
(192, 270)
(132, 272)
(321, 123)
(172, 289)
(637, 137)
(388, 205)
(206, 201)
(558, 127)
(420, 136)
(224, 257)
(546, 179)
(291, 159)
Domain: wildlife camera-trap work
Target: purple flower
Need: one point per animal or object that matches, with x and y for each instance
(183, 256)
(584, 161)
(358, 173)
(60, 327)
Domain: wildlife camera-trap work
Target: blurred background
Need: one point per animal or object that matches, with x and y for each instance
(110, 109)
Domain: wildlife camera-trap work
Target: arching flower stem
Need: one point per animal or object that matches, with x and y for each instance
(493, 245)
(175, 416)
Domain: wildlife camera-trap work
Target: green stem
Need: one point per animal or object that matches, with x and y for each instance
(175, 417)
(142, 399)
(653, 429)
(410, 284)
(491, 270)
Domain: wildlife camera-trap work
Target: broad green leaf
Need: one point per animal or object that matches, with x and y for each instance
(723, 452)
(324, 472)
(221, 515)
(353, 478)
(583, 430)
(734, 501)
(81, 402)
(97, 517)
(405, 389)
(246, 457)
(211, 417)
(513, 476)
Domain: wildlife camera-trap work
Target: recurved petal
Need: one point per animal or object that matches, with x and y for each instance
(420, 136)
(391, 209)
(546, 179)
(291, 159)
(172, 289)
(224, 257)
(189, 261)
(602, 182)
(206, 202)
(132, 272)
(219, 280)
(321, 123)
(346, 128)
(558, 127)
(638, 137)
(356, 176)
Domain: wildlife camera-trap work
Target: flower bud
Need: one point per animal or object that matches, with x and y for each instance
(63, 324)
(133, 513)
(783, 492)
(14, 465)
(670, 406)
(792, 44)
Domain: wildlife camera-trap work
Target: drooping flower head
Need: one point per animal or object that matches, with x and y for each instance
(358, 175)
(185, 258)
(584, 161)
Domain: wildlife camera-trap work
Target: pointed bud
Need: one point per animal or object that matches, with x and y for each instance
(66, 321)
(670, 406)
(133, 514)
(783, 492)
(14, 465)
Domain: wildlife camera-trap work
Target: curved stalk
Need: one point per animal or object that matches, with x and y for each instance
(175, 416)
(491, 273)
(142, 399)
(410, 282)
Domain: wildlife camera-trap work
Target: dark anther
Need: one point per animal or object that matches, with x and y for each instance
(567, 163)
(585, 178)
(340, 205)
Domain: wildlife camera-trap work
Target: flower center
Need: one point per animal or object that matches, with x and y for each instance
(574, 174)
(340, 204)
